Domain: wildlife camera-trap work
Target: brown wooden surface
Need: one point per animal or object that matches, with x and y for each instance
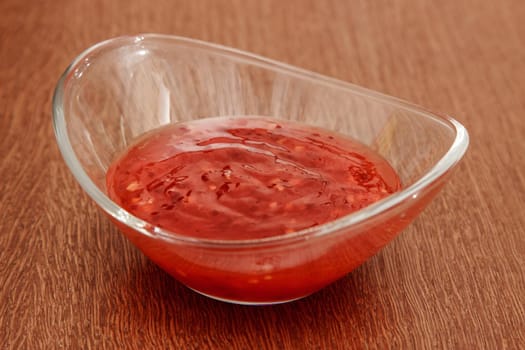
(454, 279)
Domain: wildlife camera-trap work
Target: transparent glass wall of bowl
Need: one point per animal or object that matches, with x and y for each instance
(118, 92)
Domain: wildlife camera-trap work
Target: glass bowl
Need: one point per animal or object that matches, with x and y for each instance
(119, 89)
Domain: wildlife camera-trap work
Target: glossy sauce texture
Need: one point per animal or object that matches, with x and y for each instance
(246, 178)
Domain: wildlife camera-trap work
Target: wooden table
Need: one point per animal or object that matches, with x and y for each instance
(454, 279)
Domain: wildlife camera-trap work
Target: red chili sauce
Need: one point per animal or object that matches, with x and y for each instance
(246, 178)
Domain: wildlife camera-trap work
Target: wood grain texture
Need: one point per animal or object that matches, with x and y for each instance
(454, 279)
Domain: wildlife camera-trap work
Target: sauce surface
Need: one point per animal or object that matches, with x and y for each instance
(246, 177)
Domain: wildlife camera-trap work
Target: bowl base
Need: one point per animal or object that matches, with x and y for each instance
(248, 303)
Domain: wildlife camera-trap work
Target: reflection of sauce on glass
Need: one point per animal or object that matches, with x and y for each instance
(246, 178)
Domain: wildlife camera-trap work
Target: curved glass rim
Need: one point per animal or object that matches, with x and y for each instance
(447, 162)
